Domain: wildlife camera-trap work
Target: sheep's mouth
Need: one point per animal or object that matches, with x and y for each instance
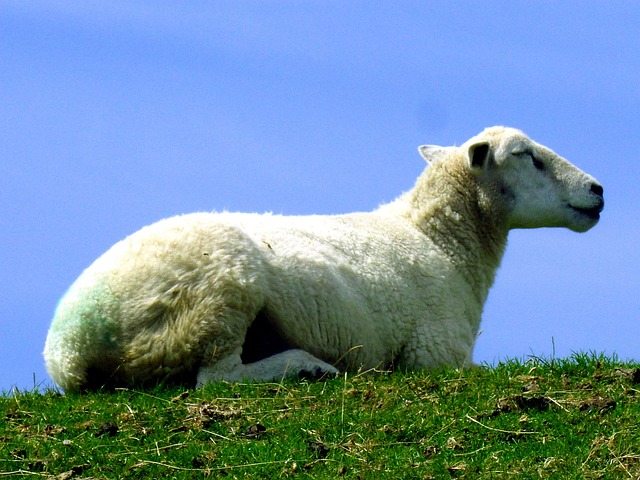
(590, 212)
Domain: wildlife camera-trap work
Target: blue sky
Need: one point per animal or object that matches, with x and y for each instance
(116, 114)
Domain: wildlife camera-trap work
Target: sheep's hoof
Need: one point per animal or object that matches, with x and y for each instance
(317, 373)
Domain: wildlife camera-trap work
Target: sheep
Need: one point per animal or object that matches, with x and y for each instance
(247, 297)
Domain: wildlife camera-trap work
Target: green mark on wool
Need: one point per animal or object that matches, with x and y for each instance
(109, 333)
(100, 314)
(89, 310)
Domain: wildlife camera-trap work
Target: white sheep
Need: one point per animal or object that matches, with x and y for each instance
(210, 296)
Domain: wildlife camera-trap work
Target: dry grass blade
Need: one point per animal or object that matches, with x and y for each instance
(499, 430)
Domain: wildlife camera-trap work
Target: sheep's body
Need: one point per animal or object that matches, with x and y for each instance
(245, 296)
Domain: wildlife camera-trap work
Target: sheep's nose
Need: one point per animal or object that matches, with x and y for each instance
(597, 189)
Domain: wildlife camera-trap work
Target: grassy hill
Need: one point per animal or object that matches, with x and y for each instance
(574, 418)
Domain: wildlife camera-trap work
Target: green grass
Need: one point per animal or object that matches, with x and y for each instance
(574, 418)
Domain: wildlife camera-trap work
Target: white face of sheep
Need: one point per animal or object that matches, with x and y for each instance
(542, 188)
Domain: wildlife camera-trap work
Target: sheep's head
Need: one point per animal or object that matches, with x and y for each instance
(541, 188)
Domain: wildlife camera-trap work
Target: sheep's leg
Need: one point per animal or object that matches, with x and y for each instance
(290, 363)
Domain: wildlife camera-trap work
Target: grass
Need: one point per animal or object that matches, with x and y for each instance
(574, 418)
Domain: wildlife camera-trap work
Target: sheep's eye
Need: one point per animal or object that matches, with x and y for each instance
(537, 163)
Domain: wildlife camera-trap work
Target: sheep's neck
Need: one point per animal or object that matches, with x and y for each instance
(466, 222)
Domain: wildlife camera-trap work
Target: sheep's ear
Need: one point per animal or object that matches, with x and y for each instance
(480, 156)
(432, 152)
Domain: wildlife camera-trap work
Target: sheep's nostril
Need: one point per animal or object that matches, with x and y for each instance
(597, 189)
